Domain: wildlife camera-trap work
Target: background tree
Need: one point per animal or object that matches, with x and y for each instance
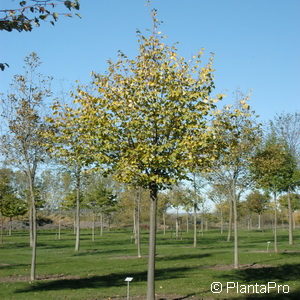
(273, 169)
(153, 113)
(240, 131)
(22, 145)
(257, 203)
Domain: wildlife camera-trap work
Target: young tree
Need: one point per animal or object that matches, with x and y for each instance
(257, 202)
(232, 168)
(273, 169)
(23, 144)
(153, 114)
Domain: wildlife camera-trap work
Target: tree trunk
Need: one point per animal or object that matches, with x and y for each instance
(259, 221)
(187, 222)
(230, 221)
(177, 225)
(235, 219)
(290, 219)
(221, 221)
(275, 223)
(202, 224)
(138, 210)
(10, 226)
(101, 224)
(93, 227)
(59, 227)
(77, 243)
(164, 221)
(152, 244)
(134, 222)
(30, 225)
(33, 222)
(74, 223)
(195, 225)
(206, 225)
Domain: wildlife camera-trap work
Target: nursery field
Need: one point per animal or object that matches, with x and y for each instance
(182, 272)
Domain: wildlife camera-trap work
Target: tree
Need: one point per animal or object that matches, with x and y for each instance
(30, 13)
(273, 169)
(257, 202)
(23, 145)
(153, 116)
(241, 132)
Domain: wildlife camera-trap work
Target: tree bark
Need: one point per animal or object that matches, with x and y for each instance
(230, 221)
(177, 225)
(101, 224)
(2, 229)
(33, 222)
(235, 219)
(164, 221)
(275, 223)
(187, 222)
(195, 225)
(77, 242)
(221, 221)
(235, 227)
(259, 221)
(152, 244)
(30, 225)
(290, 219)
(93, 227)
(10, 226)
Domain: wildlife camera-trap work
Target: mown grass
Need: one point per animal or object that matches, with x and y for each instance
(99, 269)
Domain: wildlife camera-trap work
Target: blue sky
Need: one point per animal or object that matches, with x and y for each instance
(256, 44)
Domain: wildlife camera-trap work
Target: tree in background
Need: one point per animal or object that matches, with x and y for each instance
(153, 114)
(257, 203)
(241, 133)
(273, 169)
(23, 144)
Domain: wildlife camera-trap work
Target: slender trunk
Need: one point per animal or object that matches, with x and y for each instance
(177, 225)
(275, 223)
(187, 222)
(195, 225)
(93, 227)
(33, 222)
(138, 238)
(221, 221)
(235, 219)
(74, 223)
(77, 243)
(10, 226)
(101, 224)
(134, 222)
(206, 225)
(259, 221)
(290, 219)
(152, 244)
(202, 224)
(59, 227)
(230, 221)
(164, 221)
(30, 225)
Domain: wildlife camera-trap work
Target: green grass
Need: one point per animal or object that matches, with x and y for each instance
(99, 269)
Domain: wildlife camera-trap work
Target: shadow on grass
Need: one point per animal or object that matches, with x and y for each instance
(183, 256)
(279, 274)
(102, 281)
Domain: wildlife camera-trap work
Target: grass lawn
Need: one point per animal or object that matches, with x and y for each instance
(182, 272)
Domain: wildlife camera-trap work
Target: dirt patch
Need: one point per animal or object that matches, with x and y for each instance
(241, 267)
(15, 278)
